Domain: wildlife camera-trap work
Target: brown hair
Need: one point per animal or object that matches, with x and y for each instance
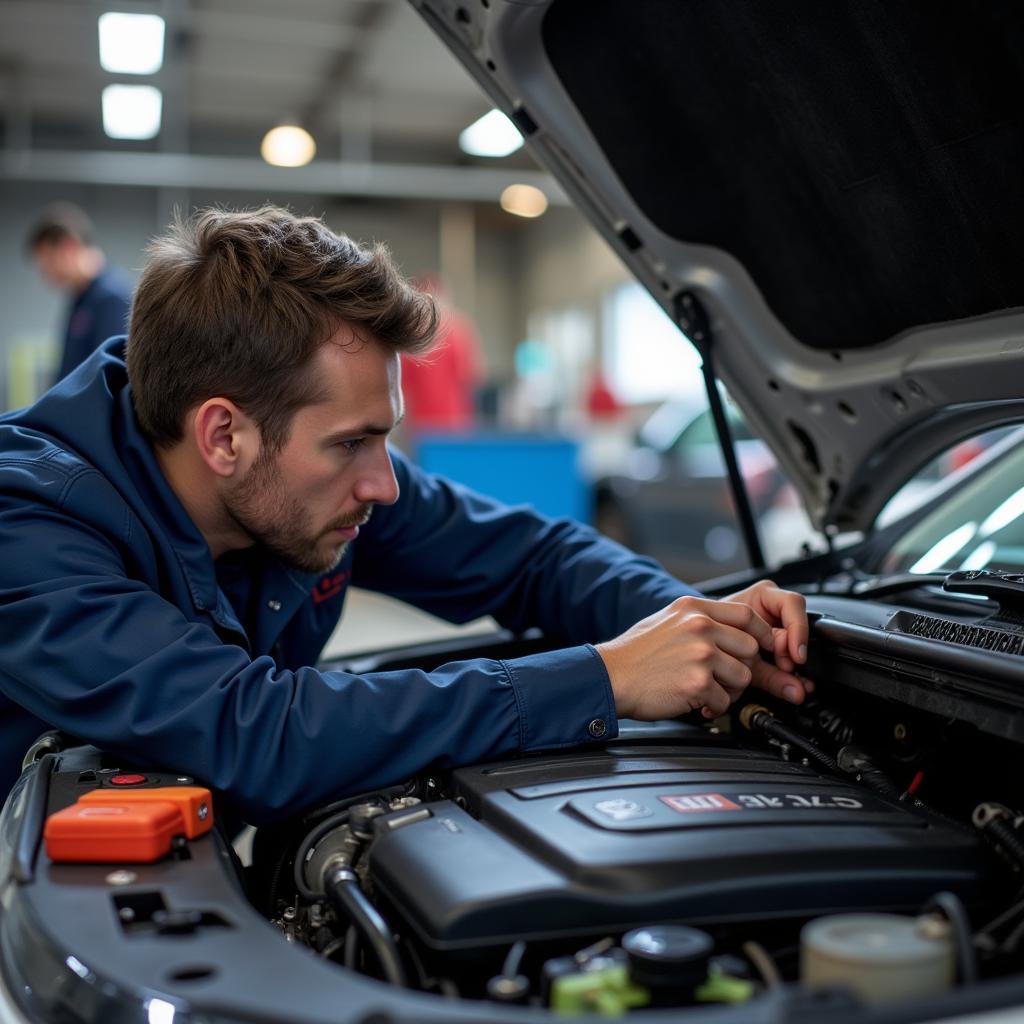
(59, 221)
(237, 304)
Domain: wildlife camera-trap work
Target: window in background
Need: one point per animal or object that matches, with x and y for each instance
(646, 357)
(551, 367)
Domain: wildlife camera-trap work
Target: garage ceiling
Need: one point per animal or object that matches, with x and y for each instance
(366, 77)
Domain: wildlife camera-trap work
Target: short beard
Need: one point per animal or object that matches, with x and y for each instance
(261, 506)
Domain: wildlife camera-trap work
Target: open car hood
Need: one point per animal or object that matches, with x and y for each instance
(826, 197)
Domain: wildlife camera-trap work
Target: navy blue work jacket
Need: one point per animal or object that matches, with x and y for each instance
(119, 628)
(97, 313)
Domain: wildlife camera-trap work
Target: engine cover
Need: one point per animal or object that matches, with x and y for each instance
(699, 831)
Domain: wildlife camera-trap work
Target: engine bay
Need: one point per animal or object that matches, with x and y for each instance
(863, 848)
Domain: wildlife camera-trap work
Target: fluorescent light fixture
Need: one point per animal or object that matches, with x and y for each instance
(288, 145)
(160, 1011)
(492, 135)
(131, 44)
(524, 201)
(131, 111)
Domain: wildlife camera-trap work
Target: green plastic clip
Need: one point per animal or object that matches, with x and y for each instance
(607, 992)
(723, 988)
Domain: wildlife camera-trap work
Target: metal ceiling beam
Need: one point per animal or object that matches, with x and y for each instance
(249, 174)
(342, 69)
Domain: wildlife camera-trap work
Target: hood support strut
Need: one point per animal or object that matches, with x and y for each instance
(692, 319)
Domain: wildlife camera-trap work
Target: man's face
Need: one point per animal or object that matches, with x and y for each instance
(306, 502)
(54, 261)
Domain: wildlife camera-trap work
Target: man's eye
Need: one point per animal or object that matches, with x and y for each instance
(354, 445)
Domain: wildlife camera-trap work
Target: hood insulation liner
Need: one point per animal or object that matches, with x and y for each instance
(862, 159)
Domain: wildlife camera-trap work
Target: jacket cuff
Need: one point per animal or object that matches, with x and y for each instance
(564, 698)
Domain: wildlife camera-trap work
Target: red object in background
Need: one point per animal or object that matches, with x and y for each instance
(440, 387)
(962, 453)
(601, 400)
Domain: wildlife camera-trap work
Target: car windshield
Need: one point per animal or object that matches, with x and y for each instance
(980, 524)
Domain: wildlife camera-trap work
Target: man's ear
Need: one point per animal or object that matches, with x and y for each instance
(226, 439)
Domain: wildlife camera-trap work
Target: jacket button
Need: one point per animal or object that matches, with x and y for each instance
(274, 606)
(597, 728)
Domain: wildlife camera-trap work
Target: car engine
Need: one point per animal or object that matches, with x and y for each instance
(683, 864)
(700, 831)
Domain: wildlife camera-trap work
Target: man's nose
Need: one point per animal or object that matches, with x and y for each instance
(378, 485)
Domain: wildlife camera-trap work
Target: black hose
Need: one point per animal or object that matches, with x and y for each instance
(1006, 837)
(314, 837)
(838, 730)
(323, 814)
(388, 793)
(759, 719)
(874, 778)
(953, 909)
(858, 762)
(351, 946)
(348, 899)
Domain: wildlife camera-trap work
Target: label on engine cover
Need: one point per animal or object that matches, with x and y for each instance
(699, 802)
(704, 803)
(674, 806)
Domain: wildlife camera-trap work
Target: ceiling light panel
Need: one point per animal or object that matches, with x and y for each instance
(131, 44)
(132, 111)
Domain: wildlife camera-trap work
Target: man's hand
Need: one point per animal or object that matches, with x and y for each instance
(786, 613)
(696, 653)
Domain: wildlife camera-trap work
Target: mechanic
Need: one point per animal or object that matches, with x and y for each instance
(62, 248)
(181, 517)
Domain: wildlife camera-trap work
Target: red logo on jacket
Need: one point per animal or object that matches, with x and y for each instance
(330, 586)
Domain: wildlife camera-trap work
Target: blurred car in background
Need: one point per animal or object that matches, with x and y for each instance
(671, 498)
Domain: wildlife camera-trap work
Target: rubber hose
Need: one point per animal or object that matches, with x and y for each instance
(1007, 838)
(874, 778)
(764, 721)
(339, 812)
(314, 837)
(348, 899)
(953, 910)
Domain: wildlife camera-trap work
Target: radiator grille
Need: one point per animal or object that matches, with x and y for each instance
(966, 636)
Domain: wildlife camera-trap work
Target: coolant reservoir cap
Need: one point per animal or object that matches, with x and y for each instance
(885, 938)
(668, 955)
(880, 957)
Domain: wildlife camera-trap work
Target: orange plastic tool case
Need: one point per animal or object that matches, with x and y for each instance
(138, 826)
